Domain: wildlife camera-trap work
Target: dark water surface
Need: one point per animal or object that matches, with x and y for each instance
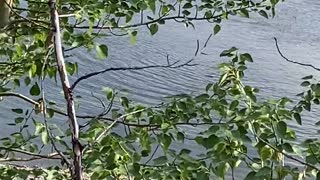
(295, 25)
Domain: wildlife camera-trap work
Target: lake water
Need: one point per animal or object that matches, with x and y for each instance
(295, 25)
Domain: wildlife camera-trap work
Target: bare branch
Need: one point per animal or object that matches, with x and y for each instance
(25, 159)
(173, 66)
(152, 155)
(115, 121)
(49, 156)
(168, 65)
(294, 62)
(21, 96)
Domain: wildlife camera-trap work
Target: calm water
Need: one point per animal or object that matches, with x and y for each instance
(296, 27)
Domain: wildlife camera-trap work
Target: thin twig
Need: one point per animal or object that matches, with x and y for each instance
(97, 140)
(141, 125)
(151, 157)
(28, 153)
(105, 112)
(21, 96)
(24, 159)
(289, 156)
(115, 121)
(294, 62)
(127, 69)
(44, 110)
(169, 65)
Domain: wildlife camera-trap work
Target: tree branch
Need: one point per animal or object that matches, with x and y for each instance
(140, 125)
(49, 156)
(173, 66)
(44, 110)
(73, 123)
(294, 62)
(177, 17)
(289, 156)
(21, 96)
(24, 18)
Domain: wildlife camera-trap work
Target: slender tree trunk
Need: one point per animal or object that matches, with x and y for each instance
(55, 29)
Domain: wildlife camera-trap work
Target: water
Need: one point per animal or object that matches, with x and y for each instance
(295, 25)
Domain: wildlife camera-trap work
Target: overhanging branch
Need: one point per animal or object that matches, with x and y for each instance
(173, 65)
(294, 62)
(21, 96)
(177, 17)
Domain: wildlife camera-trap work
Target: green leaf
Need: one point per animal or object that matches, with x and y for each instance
(216, 29)
(266, 152)
(201, 98)
(187, 6)
(287, 147)
(153, 29)
(44, 137)
(152, 6)
(246, 57)
(35, 90)
(102, 51)
(180, 137)
(124, 102)
(16, 82)
(165, 125)
(134, 169)
(39, 128)
(305, 83)
(185, 12)
(209, 86)
(228, 52)
(297, 117)
(18, 120)
(251, 176)
(274, 2)
(33, 70)
(244, 13)
(234, 104)
(311, 159)
(18, 111)
(71, 68)
(210, 142)
(165, 141)
(281, 129)
(263, 172)
(307, 77)
(27, 81)
(263, 13)
(109, 92)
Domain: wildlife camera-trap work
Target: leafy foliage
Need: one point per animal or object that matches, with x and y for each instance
(235, 129)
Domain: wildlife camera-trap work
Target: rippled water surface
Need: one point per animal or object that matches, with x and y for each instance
(296, 26)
